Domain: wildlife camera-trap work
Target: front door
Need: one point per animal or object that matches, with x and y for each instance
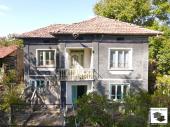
(77, 59)
(78, 91)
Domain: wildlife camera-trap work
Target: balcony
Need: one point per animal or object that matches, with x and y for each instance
(75, 74)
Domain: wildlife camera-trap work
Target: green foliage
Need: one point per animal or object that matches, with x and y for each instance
(132, 121)
(141, 12)
(95, 110)
(159, 54)
(11, 93)
(163, 84)
(137, 104)
(129, 10)
(11, 41)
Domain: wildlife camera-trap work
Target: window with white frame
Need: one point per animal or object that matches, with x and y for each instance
(39, 84)
(120, 58)
(119, 91)
(46, 58)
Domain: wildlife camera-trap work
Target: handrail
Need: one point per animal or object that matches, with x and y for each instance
(75, 74)
(34, 93)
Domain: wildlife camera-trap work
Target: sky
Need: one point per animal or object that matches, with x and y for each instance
(18, 16)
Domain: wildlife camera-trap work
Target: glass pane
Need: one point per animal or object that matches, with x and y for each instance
(42, 83)
(52, 55)
(119, 94)
(113, 92)
(32, 83)
(112, 59)
(126, 59)
(47, 53)
(40, 58)
(120, 59)
(38, 83)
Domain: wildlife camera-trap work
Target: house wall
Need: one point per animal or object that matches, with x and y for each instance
(139, 70)
(137, 77)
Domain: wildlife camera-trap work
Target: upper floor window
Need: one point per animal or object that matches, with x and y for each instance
(119, 91)
(46, 58)
(120, 58)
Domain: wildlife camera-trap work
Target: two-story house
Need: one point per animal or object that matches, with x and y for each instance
(100, 54)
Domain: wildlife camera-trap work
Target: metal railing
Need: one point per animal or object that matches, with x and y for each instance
(75, 74)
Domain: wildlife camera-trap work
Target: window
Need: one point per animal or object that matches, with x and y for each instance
(46, 58)
(118, 91)
(39, 84)
(120, 58)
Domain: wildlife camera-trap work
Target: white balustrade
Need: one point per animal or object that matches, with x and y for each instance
(75, 74)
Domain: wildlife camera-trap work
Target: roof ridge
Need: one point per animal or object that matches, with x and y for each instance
(87, 20)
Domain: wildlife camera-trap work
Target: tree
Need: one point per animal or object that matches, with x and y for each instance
(140, 12)
(11, 41)
(133, 11)
(12, 91)
(160, 51)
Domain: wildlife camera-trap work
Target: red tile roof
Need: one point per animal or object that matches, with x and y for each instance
(102, 25)
(97, 25)
(42, 32)
(5, 51)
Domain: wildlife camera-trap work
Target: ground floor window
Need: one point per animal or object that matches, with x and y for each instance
(38, 84)
(118, 91)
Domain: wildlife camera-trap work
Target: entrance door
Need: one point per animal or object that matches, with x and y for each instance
(78, 91)
(77, 59)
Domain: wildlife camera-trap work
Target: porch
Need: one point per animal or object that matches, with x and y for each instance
(78, 65)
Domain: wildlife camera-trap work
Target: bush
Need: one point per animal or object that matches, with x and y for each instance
(94, 110)
(11, 93)
(132, 121)
(138, 103)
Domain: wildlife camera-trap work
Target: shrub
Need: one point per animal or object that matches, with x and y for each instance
(12, 91)
(95, 110)
(132, 121)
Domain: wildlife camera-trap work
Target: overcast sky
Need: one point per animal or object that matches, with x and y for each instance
(17, 16)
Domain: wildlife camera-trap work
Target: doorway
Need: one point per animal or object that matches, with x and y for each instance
(78, 91)
(77, 59)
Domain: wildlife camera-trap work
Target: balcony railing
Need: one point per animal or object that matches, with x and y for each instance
(75, 74)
